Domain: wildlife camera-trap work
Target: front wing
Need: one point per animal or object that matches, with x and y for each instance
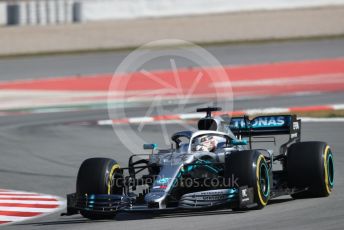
(210, 199)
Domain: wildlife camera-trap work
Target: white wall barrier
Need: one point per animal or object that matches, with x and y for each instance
(51, 8)
(23, 13)
(43, 12)
(31, 16)
(3, 13)
(40, 12)
(128, 9)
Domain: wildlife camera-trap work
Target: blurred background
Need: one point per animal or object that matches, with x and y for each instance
(43, 12)
(76, 25)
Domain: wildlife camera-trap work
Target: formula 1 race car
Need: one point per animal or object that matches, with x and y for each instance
(213, 167)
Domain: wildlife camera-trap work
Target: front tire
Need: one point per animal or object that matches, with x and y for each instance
(96, 176)
(310, 165)
(251, 169)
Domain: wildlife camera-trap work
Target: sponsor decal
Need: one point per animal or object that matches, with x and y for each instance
(212, 195)
(214, 192)
(244, 195)
(293, 135)
(296, 126)
(163, 181)
(268, 122)
(218, 197)
(261, 122)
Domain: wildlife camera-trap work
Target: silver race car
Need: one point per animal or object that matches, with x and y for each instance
(212, 168)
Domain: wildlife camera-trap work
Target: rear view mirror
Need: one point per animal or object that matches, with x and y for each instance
(239, 142)
(150, 146)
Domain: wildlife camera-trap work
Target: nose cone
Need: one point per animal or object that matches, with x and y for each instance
(156, 199)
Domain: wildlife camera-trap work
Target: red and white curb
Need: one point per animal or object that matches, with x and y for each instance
(189, 116)
(18, 206)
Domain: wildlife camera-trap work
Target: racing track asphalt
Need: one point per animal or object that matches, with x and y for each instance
(41, 153)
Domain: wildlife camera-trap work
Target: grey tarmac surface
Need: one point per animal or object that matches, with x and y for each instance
(40, 153)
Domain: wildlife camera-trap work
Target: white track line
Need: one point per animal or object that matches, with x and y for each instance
(58, 202)
(268, 110)
(321, 119)
(12, 219)
(28, 196)
(191, 116)
(300, 80)
(338, 106)
(26, 209)
(105, 122)
(180, 117)
(140, 119)
(17, 192)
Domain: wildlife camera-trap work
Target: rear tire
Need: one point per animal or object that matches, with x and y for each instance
(251, 169)
(96, 176)
(310, 165)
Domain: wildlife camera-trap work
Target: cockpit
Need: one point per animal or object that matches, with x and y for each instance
(188, 141)
(213, 139)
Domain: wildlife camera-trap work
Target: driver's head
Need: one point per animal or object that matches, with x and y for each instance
(205, 143)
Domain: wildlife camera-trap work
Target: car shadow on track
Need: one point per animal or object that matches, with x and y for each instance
(77, 220)
(142, 216)
(280, 200)
(127, 217)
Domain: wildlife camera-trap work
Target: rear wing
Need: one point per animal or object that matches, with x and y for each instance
(267, 125)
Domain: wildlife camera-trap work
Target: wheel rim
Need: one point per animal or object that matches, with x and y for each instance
(264, 180)
(330, 169)
(111, 177)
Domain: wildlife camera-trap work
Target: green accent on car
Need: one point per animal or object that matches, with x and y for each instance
(239, 142)
(330, 168)
(266, 172)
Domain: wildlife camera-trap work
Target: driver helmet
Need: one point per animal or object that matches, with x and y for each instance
(205, 143)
